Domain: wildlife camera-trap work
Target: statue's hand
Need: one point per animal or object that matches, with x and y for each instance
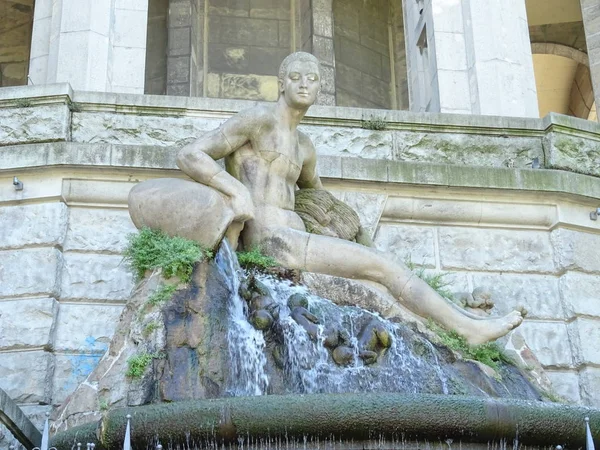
(242, 206)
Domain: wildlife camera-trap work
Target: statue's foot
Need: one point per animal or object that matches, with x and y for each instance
(482, 331)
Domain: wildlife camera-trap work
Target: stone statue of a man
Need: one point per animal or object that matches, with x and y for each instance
(266, 158)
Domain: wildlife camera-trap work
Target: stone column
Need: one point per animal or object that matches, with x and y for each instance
(316, 37)
(95, 45)
(590, 10)
(470, 57)
(184, 18)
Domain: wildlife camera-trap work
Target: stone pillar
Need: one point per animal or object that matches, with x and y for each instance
(316, 37)
(95, 45)
(470, 57)
(182, 26)
(590, 10)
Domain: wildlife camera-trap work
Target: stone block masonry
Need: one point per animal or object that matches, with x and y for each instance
(63, 287)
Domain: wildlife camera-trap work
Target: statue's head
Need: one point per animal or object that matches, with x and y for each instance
(299, 79)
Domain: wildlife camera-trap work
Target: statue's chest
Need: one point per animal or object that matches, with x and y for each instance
(280, 152)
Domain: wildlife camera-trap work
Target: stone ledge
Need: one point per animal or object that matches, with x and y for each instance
(131, 157)
(215, 107)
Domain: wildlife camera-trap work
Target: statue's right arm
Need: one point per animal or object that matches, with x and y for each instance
(198, 161)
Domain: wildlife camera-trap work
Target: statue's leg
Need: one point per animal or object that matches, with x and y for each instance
(322, 254)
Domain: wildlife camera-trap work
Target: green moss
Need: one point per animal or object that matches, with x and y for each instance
(150, 328)
(162, 294)
(488, 354)
(75, 107)
(176, 256)
(374, 123)
(23, 103)
(254, 259)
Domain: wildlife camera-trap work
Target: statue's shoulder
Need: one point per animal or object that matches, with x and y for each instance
(258, 115)
(305, 142)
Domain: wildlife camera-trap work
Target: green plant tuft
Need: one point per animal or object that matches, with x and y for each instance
(437, 282)
(152, 249)
(137, 364)
(488, 354)
(103, 405)
(374, 123)
(162, 294)
(254, 259)
(23, 103)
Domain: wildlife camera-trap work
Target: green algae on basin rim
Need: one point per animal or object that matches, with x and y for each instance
(344, 416)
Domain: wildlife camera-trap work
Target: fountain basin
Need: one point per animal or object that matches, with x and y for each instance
(338, 417)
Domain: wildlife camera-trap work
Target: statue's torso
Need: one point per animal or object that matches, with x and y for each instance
(269, 165)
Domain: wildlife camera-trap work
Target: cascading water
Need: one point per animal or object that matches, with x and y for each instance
(245, 344)
(283, 340)
(309, 365)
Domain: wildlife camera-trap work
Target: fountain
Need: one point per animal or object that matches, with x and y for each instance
(307, 400)
(253, 361)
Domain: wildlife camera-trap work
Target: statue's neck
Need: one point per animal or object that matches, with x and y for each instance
(289, 116)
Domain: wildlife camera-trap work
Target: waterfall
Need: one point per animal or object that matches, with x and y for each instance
(246, 345)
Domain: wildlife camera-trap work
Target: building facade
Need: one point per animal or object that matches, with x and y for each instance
(487, 167)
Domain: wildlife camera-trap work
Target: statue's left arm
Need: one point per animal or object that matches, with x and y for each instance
(309, 178)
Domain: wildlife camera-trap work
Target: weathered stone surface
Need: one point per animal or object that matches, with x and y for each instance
(549, 341)
(105, 386)
(37, 414)
(34, 124)
(86, 328)
(467, 149)
(25, 225)
(98, 230)
(565, 384)
(30, 272)
(181, 208)
(368, 206)
(493, 249)
(27, 323)
(346, 292)
(244, 31)
(27, 376)
(589, 380)
(71, 370)
(579, 293)
(575, 250)
(139, 130)
(585, 334)
(251, 87)
(574, 153)
(407, 242)
(539, 294)
(188, 329)
(519, 352)
(98, 277)
(350, 141)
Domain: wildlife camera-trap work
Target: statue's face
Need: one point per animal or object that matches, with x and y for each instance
(301, 84)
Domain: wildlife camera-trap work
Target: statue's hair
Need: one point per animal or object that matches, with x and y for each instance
(297, 56)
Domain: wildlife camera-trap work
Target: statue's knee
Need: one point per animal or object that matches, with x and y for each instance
(181, 208)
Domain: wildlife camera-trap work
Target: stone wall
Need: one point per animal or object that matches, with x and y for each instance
(362, 53)
(454, 194)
